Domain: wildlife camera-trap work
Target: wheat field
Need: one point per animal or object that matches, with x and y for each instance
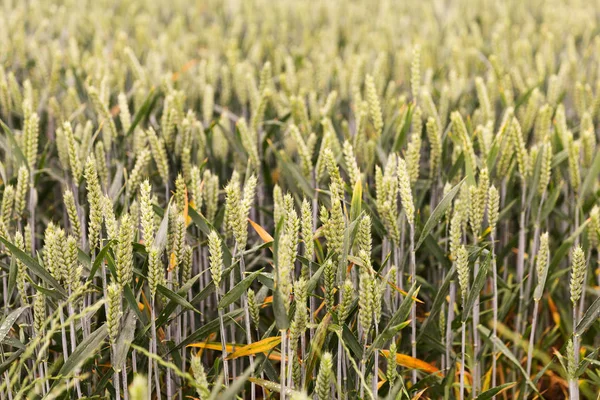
(259, 199)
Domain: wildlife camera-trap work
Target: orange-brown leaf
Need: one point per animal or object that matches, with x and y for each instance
(554, 311)
(264, 235)
(413, 363)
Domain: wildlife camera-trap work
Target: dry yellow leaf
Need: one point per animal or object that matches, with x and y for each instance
(262, 346)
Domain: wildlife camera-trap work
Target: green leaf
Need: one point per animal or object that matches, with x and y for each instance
(293, 171)
(559, 158)
(99, 259)
(550, 203)
(314, 279)
(316, 346)
(590, 178)
(144, 110)
(237, 385)
(352, 342)
(206, 227)
(12, 277)
(160, 240)
(566, 246)
(125, 339)
(403, 129)
(491, 393)
(356, 204)
(281, 316)
(585, 363)
(476, 288)
(440, 298)
(86, 349)
(238, 290)
(34, 266)
(17, 150)
(270, 385)
(591, 315)
(438, 213)
(8, 322)
(400, 316)
(507, 353)
(132, 301)
(208, 328)
(176, 298)
(200, 221)
(539, 288)
(171, 306)
(10, 360)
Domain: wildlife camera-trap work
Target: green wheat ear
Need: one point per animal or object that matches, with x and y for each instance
(347, 299)
(6, 209)
(254, 308)
(22, 274)
(374, 105)
(542, 264)
(334, 223)
(200, 378)
(156, 271)
(571, 363)
(216, 258)
(95, 202)
(138, 390)
(72, 213)
(147, 213)
(405, 191)
(392, 367)
(322, 386)
(124, 251)
(578, 268)
(159, 154)
(110, 221)
(113, 311)
(307, 229)
(462, 267)
(493, 208)
(300, 321)
(351, 164)
(415, 72)
(329, 273)
(413, 151)
(32, 130)
(21, 190)
(435, 140)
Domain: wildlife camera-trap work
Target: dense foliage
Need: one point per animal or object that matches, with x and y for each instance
(299, 199)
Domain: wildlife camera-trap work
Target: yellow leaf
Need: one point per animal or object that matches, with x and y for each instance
(554, 311)
(186, 217)
(264, 235)
(418, 395)
(413, 363)
(172, 261)
(415, 299)
(212, 346)
(262, 346)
